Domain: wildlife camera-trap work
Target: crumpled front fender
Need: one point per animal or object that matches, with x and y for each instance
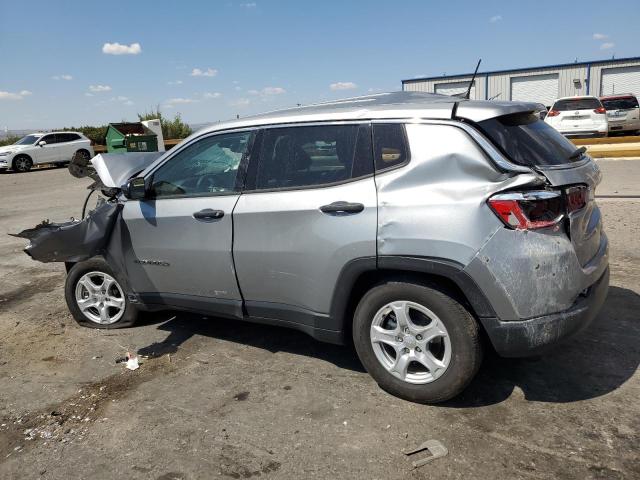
(73, 241)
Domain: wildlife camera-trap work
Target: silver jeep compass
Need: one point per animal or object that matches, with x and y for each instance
(415, 224)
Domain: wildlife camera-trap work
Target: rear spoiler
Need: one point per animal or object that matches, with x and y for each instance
(479, 110)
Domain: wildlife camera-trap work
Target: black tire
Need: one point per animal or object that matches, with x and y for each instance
(22, 163)
(127, 319)
(462, 328)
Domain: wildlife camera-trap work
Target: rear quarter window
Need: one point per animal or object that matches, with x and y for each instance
(527, 140)
(389, 145)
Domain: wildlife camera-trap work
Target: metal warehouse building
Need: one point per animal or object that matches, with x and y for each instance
(540, 84)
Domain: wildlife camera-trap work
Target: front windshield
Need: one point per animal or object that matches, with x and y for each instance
(28, 140)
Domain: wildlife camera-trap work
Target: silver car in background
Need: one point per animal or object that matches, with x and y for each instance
(623, 113)
(414, 225)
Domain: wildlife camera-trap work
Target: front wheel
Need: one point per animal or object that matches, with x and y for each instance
(22, 163)
(419, 343)
(96, 298)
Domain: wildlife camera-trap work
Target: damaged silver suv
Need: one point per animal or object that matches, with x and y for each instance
(425, 227)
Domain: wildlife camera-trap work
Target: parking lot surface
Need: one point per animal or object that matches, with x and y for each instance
(223, 399)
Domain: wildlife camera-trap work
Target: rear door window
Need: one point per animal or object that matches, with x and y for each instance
(527, 140)
(298, 157)
(577, 104)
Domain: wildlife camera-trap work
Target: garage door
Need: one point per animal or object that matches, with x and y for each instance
(455, 88)
(621, 80)
(535, 88)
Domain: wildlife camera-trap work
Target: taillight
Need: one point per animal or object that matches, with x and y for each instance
(553, 113)
(600, 110)
(528, 210)
(577, 198)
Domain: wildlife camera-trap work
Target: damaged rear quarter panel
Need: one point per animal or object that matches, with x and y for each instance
(436, 205)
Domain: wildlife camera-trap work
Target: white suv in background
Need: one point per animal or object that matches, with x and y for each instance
(578, 117)
(623, 112)
(37, 148)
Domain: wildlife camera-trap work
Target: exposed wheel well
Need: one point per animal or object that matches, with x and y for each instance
(22, 155)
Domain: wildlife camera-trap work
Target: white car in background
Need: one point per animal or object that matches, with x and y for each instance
(623, 112)
(38, 148)
(578, 117)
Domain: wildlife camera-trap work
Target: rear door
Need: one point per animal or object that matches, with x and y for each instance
(309, 209)
(178, 241)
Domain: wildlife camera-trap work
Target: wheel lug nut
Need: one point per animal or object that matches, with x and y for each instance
(406, 330)
(418, 337)
(399, 339)
(405, 350)
(418, 349)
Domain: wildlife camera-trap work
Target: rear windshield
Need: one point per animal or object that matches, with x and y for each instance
(577, 104)
(527, 140)
(620, 103)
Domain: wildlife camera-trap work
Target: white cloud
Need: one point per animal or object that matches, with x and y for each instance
(212, 95)
(179, 101)
(607, 46)
(495, 18)
(99, 88)
(177, 82)
(62, 77)
(600, 36)
(343, 86)
(89, 94)
(237, 89)
(209, 72)
(273, 91)
(241, 102)
(14, 95)
(122, 99)
(118, 49)
(267, 91)
(249, 5)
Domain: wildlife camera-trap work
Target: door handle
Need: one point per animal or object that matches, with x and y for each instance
(342, 207)
(208, 214)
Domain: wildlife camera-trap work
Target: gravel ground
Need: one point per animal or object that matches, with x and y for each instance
(223, 399)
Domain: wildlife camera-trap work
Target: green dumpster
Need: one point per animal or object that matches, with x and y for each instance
(130, 137)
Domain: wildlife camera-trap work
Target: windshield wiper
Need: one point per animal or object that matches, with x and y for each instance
(578, 152)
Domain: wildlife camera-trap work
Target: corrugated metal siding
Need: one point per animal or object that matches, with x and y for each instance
(596, 74)
(499, 84)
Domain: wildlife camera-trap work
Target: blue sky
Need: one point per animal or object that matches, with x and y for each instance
(211, 60)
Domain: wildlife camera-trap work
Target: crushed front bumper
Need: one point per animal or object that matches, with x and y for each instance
(534, 336)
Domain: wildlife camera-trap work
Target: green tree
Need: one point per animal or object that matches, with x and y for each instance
(9, 141)
(175, 128)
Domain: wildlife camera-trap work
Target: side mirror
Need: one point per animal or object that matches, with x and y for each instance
(42, 143)
(135, 189)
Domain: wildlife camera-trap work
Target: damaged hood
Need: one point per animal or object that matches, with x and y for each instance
(114, 169)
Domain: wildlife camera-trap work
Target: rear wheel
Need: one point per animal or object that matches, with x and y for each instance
(419, 343)
(22, 163)
(96, 298)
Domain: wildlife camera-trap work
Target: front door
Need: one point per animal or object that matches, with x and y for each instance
(46, 153)
(309, 208)
(181, 236)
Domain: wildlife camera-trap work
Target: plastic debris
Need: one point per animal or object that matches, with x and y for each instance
(130, 361)
(434, 447)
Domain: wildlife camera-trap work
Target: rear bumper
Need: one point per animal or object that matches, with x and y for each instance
(534, 336)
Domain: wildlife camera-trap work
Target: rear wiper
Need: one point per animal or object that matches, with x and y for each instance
(578, 152)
